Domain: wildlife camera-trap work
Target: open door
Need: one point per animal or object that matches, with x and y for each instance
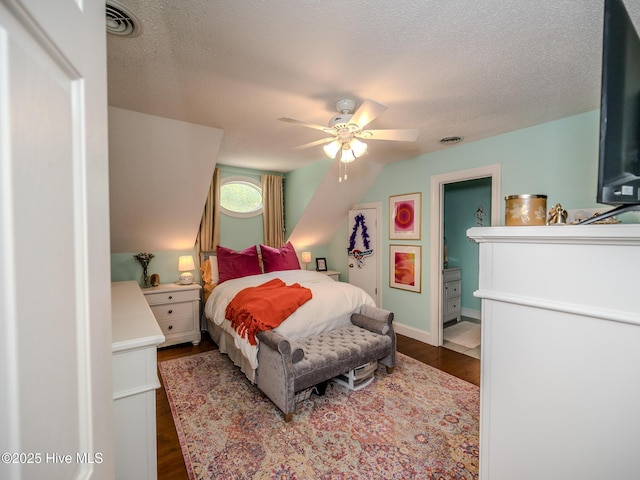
(55, 305)
(364, 254)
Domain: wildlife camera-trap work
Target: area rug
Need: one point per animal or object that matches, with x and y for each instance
(463, 333)
(416, 423)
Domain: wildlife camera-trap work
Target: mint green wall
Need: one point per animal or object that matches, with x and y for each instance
(125, 267)
(461, 202)
(557, 158)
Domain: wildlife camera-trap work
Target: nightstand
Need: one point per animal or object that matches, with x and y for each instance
(452, 293)
(333, 274)
(177, 311)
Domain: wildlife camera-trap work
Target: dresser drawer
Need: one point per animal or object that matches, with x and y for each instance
(452, 289)
(176, 325)
(172, 310)
(452, 306)
(169, 297)
(451, 274)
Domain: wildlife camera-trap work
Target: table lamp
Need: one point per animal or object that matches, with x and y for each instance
(306, 259)
(185, 265)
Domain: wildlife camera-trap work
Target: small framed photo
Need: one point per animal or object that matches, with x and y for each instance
(321, 264)
(404, 216)
(405, 270)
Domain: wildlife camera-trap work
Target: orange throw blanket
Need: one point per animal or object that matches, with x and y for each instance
(264, 307)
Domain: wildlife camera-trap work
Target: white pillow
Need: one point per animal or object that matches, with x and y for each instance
(215, 277)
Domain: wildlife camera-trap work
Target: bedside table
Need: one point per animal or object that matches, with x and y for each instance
(177, 311)
(333, 274)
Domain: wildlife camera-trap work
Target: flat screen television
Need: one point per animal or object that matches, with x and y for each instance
(619, 157)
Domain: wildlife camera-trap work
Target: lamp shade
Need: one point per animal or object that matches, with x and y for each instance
(359, 148)
(185, 263)
(306, 257)
(347, 154)
(331, 149)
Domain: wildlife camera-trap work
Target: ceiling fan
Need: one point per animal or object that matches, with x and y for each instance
(347, 130)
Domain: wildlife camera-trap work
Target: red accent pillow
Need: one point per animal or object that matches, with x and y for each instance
(276, 259)
(232, 264)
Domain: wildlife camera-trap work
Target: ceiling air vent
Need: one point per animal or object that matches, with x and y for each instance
(450, 140)
(120, 21)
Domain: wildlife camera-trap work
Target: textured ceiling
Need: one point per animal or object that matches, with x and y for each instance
(472, 68)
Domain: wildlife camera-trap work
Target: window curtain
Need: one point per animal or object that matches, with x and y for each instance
(273, 210)
(209, 235)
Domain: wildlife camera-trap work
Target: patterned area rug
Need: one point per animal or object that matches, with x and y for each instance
(417, 423)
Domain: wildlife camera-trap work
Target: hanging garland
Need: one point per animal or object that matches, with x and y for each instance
(365, 236)
(358, 254)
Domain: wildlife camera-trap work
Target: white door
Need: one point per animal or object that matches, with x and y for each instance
(364, 256)
(55, 305)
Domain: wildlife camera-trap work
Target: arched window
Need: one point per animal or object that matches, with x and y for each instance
(240, 197)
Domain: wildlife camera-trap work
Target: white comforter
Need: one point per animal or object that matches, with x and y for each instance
(330, 308)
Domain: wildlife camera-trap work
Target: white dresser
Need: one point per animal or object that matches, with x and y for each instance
(177, 310)
(136, 335)
(560, 381)
(452, 294)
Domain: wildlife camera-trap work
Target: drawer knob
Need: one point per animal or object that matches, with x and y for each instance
(170, 311)
(170, 297)
(170, 327)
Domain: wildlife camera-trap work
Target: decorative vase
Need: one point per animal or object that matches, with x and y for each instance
(146, 279)
(143, 259)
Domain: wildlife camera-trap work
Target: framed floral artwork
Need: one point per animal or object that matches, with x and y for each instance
(405, 269)
(404, 216)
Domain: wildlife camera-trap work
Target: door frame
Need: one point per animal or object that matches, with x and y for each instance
(377, 206)
(438, 183)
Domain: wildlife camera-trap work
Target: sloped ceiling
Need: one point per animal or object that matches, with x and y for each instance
(469, 68)
(159, 175)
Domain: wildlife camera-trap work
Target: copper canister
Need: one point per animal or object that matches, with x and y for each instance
(525, 210)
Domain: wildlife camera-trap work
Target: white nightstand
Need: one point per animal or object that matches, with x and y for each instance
(177, 311)
(333, 274)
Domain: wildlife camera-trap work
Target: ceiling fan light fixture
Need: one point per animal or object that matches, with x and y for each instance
(331, 149)
(347, 154)
(359, 148)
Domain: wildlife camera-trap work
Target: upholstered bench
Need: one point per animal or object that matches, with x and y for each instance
(290, 366)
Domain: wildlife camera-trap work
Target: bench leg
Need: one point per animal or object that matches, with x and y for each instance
(322, 387)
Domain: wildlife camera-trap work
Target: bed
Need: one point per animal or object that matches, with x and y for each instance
(330, 307)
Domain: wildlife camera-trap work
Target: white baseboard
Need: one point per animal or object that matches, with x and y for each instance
(412, 332)
(475, 314)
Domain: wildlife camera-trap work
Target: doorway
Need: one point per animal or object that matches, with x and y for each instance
(437, 250)
(364, 254)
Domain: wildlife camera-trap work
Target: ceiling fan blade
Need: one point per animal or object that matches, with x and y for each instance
(367, 112)
(313, 144)
(304, 124)
(401, 135)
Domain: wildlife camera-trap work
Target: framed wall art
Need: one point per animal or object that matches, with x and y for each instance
(405, 270)
(404, 216)
(321, 264)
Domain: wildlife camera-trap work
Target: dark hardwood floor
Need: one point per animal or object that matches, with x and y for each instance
(170, 461)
